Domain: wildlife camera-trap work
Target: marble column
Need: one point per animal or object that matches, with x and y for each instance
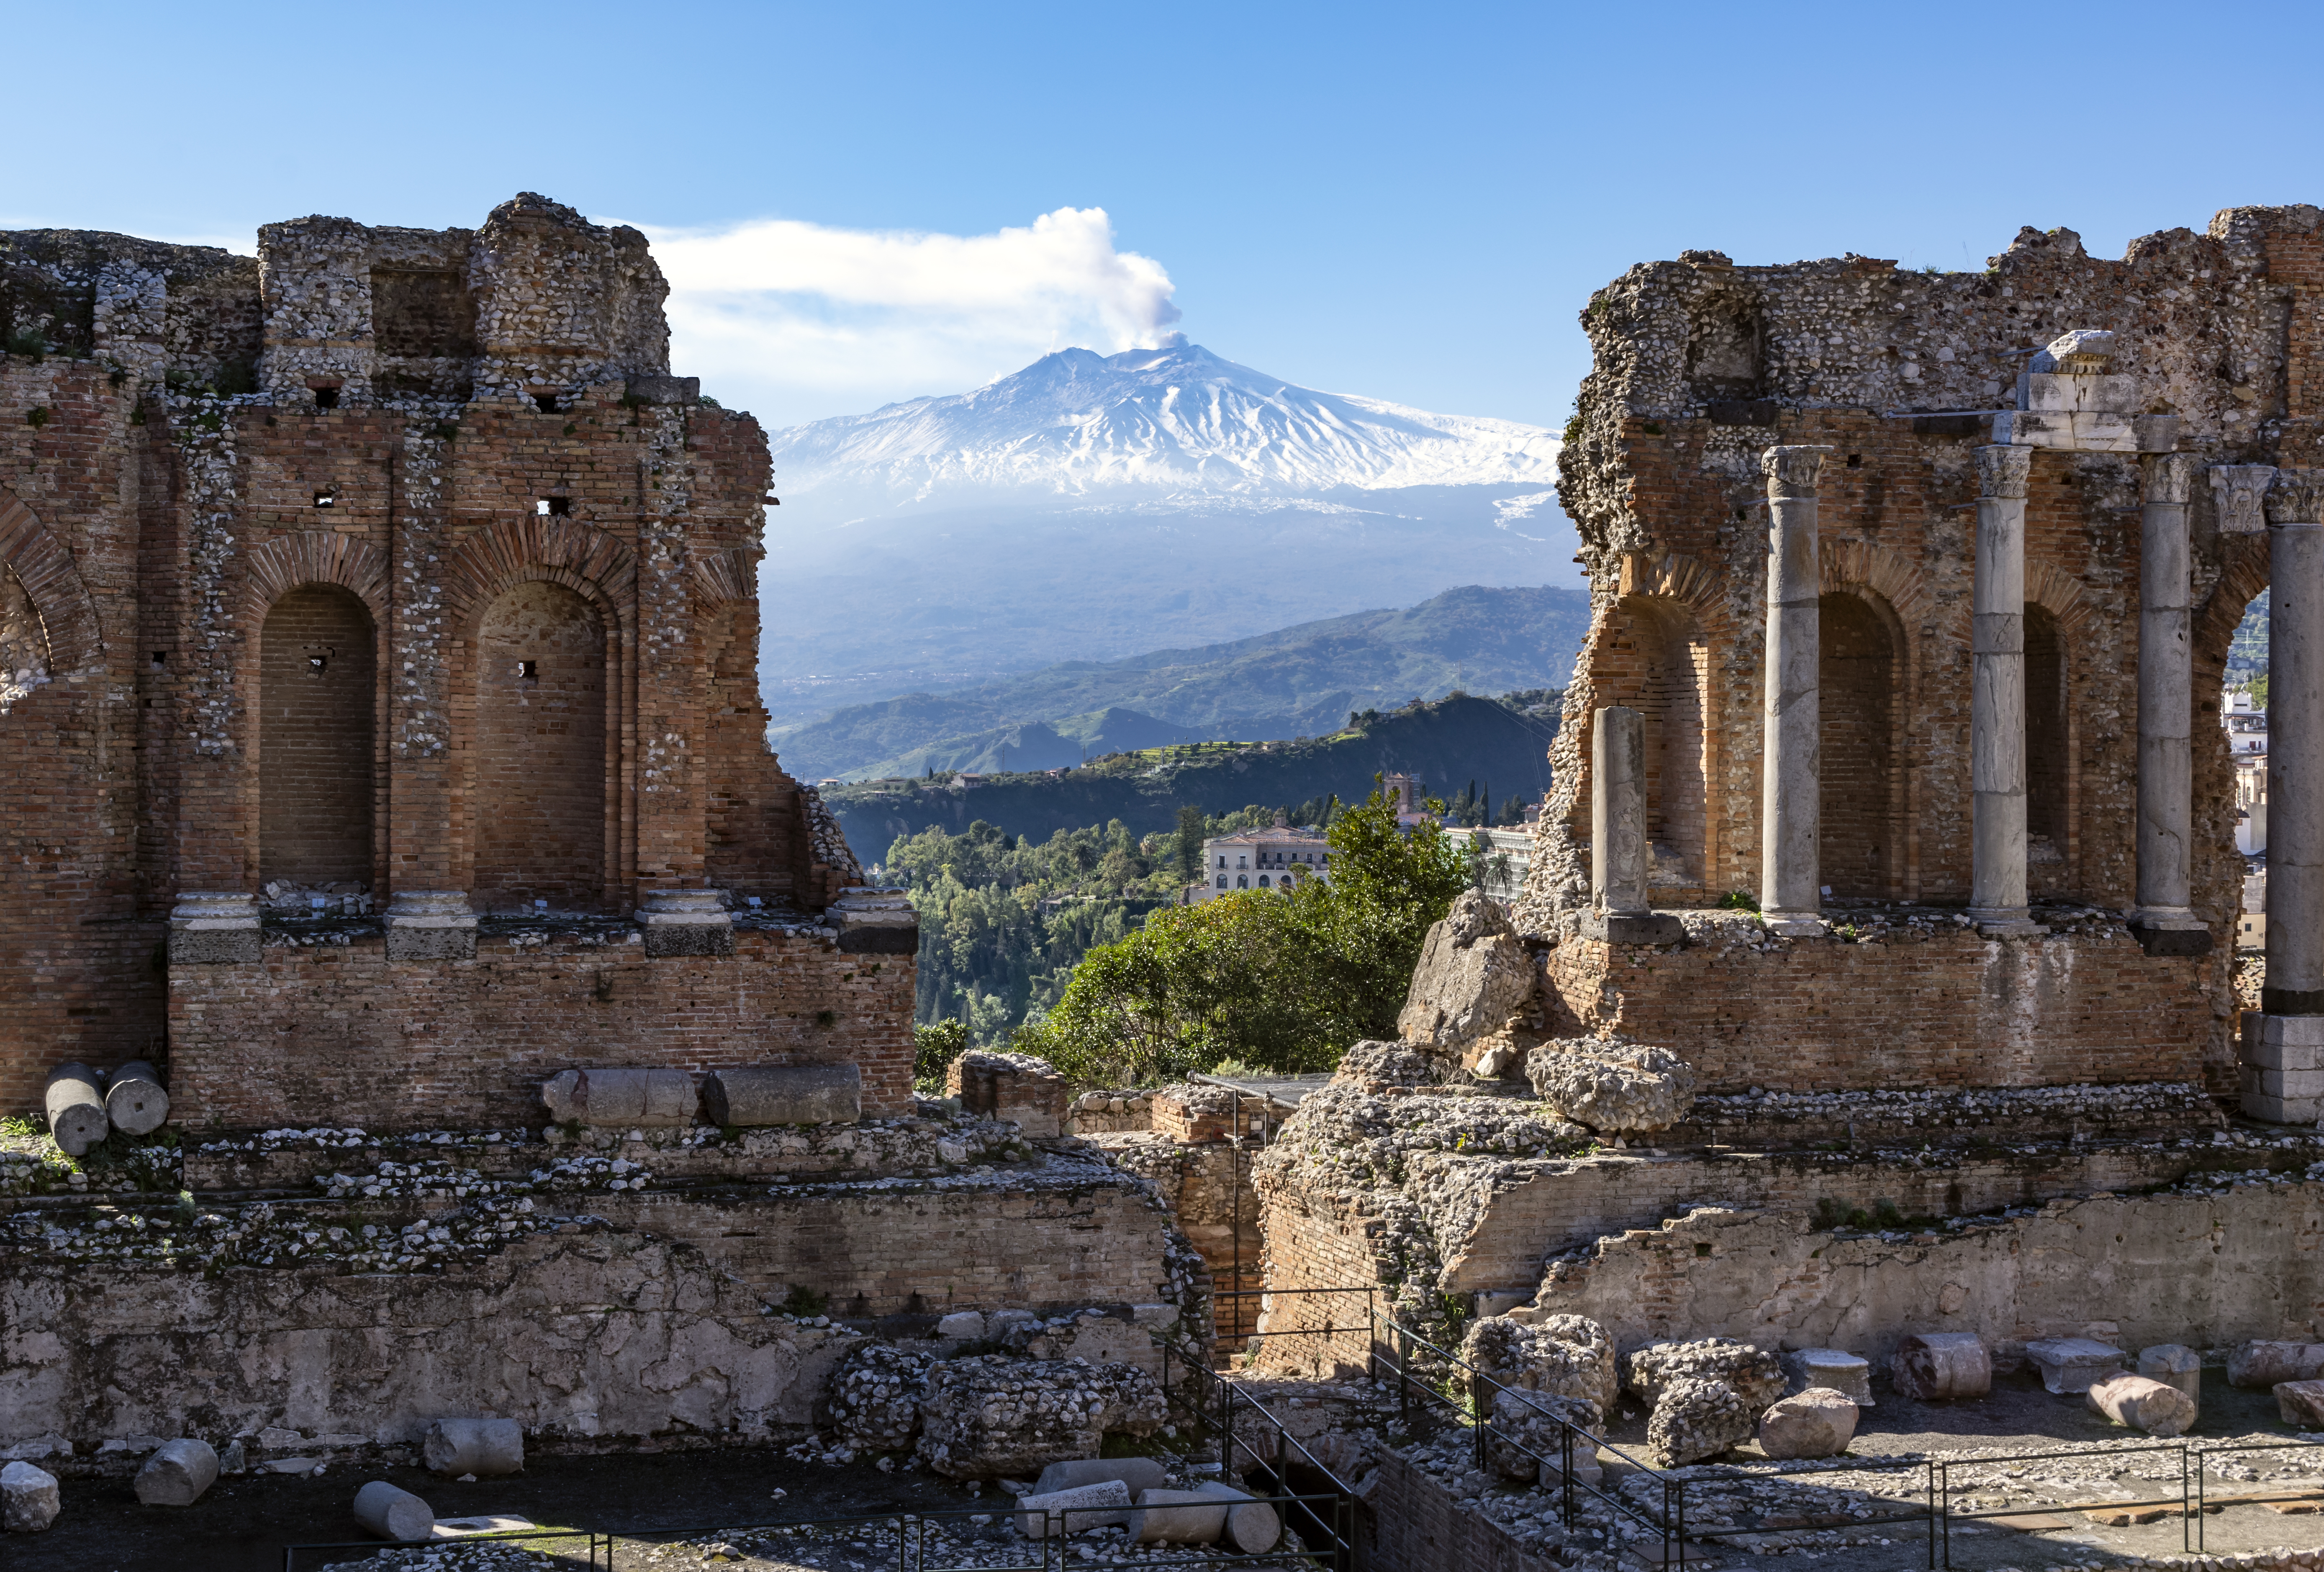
(1996, 724)
(2283, 1044)
(2165, 699)
(1618, 912)
(1790, 807)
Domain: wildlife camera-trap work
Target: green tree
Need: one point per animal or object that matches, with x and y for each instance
(1283, 980)
(1190, 844)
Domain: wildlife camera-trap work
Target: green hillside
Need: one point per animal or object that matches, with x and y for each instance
(1501, 745)
(1301, 679)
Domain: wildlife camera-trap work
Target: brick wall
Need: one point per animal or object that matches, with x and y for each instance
(538, 763)
(1862, 804)
(337, 1034)
(316, 738)
(1925, 1008)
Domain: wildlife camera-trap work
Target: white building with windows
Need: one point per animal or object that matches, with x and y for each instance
(1274, 858)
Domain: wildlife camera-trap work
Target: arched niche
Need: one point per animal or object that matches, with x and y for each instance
(317, 738)
(537, 759)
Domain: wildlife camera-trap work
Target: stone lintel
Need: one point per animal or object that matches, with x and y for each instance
(1634, 927)
(2165, 935)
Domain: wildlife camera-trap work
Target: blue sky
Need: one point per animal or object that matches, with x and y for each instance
(1406, 202)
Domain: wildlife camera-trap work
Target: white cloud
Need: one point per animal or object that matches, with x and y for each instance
(795, 321)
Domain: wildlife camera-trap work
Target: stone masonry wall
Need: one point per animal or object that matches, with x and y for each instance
(335, 1034)
(1927, 1006)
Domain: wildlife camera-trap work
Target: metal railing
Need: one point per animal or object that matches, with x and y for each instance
(904, 1540)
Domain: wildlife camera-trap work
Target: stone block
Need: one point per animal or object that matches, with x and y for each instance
(2301, 1403)
(482, 1447)
(2174, 1365)
(2158, 940)
(1017, 1086)
(1253, 1526)
(620, 1097)
(2156, 433)
(1935, 1366)
(177, 1473)
(1073, 1508)
(2265, 1363)
(992, 1416)
(1474, 974)
(2283, 1042)
(2059, 393)
(683, 391)
(874, 922)
(1136, 1474)
(1612, 1085)
(29, 1501)
(1696, 1418)
(217, 928)
(1177, 1517)
(685, 922)
(962, 1326)
(1755, 1374)
(1632, 927)
(1818, 1422)
(2070, 1364)
(2142, 1403)
(804, 1094)
(431, 925)
(393, 1515)
(1833, 1368)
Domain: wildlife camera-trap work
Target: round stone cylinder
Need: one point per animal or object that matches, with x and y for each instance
(483, 1448)
(1253, 1526)
(393, 1513)
(1617, 809)
(75, 1108)
(178, 1473)
(803, 1093)
(647, 1098)
(134, 1100)
(1176, 1517)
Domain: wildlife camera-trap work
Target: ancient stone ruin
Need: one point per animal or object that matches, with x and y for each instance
(412, 931)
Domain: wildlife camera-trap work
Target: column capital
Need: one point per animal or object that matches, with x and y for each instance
(2236, 489)
(2296, 496)
(2002, 470)
(2171, 477)
(1792, 472)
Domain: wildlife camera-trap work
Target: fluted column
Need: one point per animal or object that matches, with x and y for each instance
(1997, 723)
(2284, 1046)
(2165, 699)
(1790, 808)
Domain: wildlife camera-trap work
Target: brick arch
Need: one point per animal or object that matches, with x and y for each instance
(2244, 576)
(2059, 593)
(598, 565)
(289, 562)
(1898, 586)
(720, 577)
(45, 568)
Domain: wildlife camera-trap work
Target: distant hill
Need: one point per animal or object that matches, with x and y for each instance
(1446, 743)
(1298, 681)
(1087, 507)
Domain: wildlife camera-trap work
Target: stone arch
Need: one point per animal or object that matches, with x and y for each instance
(44, 568)
(720, 577)
(600, 571)
(1865, 692)
(1895, 582)
(290, 562)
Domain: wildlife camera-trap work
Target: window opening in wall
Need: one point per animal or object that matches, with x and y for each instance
(316, 664)
(560, 506)
(528, 670)
(326, 398)
(324, 499)
(1856, 461)
(161, 658)
(546, 403)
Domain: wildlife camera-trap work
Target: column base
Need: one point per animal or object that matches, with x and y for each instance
(2169, 930)
(1794, 924)
(1632, 926)
(2281, 1062)
(431, 925)
(214, 928)
(2005, 922)
(685, 922)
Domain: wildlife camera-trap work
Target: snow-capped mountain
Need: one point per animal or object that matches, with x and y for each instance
(1152, 422)
(1092, 507)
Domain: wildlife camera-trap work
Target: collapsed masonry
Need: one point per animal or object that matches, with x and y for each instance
(1874, 981)
(385, 774)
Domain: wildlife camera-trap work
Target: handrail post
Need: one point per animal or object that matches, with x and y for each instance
(1403, 1378)
(1932, 1520)
(1477, 1402)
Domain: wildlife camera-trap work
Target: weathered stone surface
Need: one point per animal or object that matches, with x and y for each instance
(2174, 1365)
(1697, 1417)
(1568, 1355)
(1529, 1434)
(784, 1095)
(2265, 1362)
(1934, 1366)
(1755, 1374)
(1253, 1526)
(485, 1447)
(2142, 1403)
(875, 1396)
(75, 1108)
(2301, 1403)
(611, 1095)
(393, 1513)
(134, 1101)
(1074, 1509)
(1816, 1423)
(177, 1473)
(1136, 1473)
(1611, 1085)
(992, 1415)
(1021, 1087)
(1474, 974)
(29, 1501)
(1389, 1064)
(962, 1326)
(1177, 1517)
(2070, 1364)
(1836, 1369)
